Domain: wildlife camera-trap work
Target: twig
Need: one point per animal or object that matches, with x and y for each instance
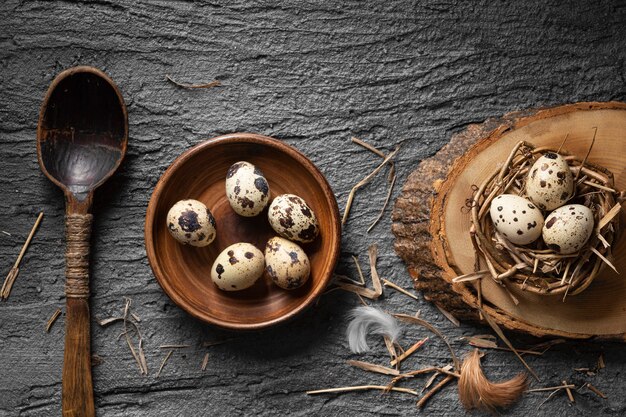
(422, 402)
(552, 394)
(363, 182)
(424, 323)
(500, 334)
(164, 362)
(373, 149)
(210, 343)
(604, 259)
(570, 386)
(52, 319)
(390, 284)
(409, 352)
(359, 270)
(12, 275)
(211, 84)
(174, 346)
(110, 320)
(139, 357)
(6, 233)
(371, 367)
(361, 291)
(593, 140)
(382, 210)
(362, 388)
(367, 146)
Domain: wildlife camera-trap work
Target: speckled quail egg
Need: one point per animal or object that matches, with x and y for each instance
(247, 189)
(568, 228)
(190, 222)
(550, 182)
(237, 267)
(516, 218)
(286, 263)
(291, 217)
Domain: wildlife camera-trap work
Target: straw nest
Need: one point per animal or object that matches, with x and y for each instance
(535, 267)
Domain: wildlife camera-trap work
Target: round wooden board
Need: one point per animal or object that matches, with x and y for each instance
(432, 235)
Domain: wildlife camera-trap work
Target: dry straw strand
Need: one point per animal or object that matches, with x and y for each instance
(211, 84)
(15, 270)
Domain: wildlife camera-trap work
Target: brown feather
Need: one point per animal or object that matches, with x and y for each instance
(477, 392)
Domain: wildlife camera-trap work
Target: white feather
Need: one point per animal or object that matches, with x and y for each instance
(370, 320)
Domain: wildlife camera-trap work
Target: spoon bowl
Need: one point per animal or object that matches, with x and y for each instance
(83, 130)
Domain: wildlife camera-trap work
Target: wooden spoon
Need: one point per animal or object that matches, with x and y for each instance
(81, 141)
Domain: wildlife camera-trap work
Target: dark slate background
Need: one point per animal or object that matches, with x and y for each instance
(312, 74)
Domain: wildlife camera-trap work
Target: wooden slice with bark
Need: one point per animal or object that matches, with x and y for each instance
(431, 222)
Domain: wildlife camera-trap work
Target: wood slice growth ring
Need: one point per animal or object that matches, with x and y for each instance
(432, 230)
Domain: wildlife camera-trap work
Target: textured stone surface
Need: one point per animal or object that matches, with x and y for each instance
(312, 74)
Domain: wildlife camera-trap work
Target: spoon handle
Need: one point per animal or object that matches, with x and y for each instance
(77, 393)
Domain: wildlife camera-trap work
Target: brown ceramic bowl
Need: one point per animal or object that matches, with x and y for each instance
(184, 271)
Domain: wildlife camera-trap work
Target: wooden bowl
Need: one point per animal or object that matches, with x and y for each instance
(184, 271)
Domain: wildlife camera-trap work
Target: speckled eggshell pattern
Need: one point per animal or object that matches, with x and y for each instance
(191, 223)
(286, 263)
(237, 267)
(550, 182)
(568, 228)
(516, 218)
(291, 217)
(247, 189)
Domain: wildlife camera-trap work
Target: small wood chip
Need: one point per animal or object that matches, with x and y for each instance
(371, 367)
(601, 364)
(6, 233)
(372, 251)
(448, 315)
(596, 391)
(205, 361)
(409, 352)
(52, 319)
(568, 390)
(211, 84)
(15, 270)
(391, 348)
(165, 359)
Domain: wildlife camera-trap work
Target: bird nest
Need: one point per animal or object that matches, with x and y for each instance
(535, 267)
